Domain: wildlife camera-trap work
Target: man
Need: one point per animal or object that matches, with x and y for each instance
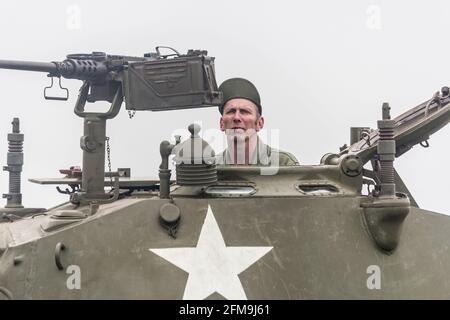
(241, 121)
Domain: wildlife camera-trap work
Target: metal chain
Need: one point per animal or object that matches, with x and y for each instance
(108, 152)
(131, 113)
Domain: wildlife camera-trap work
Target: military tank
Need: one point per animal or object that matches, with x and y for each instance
(336, 230)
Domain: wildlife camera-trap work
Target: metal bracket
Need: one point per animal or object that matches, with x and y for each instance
(80, 198)
(60, 86)
(82, 99)
(384, 219)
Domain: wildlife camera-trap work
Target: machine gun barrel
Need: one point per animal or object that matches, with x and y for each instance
(412, 127)
(81, 69)
(49, 67)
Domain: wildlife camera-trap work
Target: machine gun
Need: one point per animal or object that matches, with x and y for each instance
(413, 127)
(393, 138)
(153, 82)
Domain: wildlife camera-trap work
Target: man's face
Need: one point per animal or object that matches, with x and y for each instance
(241, 116)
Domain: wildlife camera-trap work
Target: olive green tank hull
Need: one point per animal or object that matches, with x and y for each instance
(314, 248)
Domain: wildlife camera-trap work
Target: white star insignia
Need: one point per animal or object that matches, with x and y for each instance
(212, 266)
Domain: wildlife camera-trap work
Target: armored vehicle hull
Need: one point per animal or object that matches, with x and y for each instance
(271, 244)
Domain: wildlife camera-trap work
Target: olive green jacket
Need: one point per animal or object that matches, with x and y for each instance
(263, 156)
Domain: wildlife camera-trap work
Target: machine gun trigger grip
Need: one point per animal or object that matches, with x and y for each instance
(64, 98)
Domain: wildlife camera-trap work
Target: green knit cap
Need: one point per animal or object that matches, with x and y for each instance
(239, 88)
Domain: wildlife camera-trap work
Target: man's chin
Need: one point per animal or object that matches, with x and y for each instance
(240, 132)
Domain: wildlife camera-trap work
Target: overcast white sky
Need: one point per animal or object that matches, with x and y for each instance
(320, 66)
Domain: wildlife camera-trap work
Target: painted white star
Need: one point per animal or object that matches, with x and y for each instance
(212, 266)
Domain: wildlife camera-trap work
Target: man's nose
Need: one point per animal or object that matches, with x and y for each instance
(237, 117)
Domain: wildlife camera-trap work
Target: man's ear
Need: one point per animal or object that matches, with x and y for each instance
(260, 123)
(222, 125)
